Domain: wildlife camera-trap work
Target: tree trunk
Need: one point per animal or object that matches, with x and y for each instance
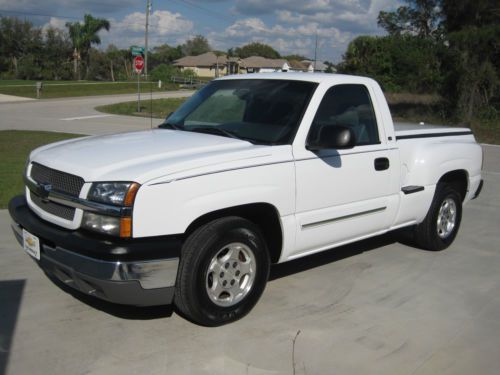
(470, 105)
(126, 68)
(87, 68)
(111, 71)
(75, 64)
(14, 63)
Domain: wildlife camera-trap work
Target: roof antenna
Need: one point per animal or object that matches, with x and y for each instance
(315, 51)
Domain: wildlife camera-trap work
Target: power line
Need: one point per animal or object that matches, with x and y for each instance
(155, 27)
(131, 24)
(58, 16)
(151, 26)
(206, 10)
(38, 14)
(217, 14)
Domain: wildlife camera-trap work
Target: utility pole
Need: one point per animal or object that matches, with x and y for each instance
(148, 10)
(315, 51)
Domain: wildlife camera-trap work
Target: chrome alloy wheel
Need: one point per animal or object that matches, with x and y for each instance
(446, 218)
(231, 274)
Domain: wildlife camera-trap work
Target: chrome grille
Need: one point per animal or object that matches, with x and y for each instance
(53, 208)
(61, 181)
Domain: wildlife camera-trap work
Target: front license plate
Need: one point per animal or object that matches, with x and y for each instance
(31, 244)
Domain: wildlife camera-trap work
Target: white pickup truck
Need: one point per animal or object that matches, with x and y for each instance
(252, 170)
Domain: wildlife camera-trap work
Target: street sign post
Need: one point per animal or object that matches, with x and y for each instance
(138, 66)
(137, 51)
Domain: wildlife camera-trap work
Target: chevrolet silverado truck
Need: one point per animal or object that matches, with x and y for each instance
(250, 171)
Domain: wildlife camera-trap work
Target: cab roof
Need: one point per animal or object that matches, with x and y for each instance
(332, 78)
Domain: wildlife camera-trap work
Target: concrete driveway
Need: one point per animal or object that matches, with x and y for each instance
(376, 307)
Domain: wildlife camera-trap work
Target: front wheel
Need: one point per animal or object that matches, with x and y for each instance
(223, 271)
(441, 224)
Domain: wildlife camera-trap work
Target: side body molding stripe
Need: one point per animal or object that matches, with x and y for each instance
(329, 221)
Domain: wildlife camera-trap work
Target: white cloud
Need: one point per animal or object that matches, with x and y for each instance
(255, 26)
(286, 39)
(56, 23)
(162, 22)
(257, 7)
(353, 16)
(165, 27)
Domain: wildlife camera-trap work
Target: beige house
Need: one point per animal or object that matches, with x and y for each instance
(258, 64)
(211, 65)
(205, 65)
(318, 67)
(301, 66)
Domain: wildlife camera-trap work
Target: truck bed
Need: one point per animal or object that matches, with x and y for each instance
(413, 130)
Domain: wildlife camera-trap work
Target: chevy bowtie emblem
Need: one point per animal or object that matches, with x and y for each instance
(44, 192)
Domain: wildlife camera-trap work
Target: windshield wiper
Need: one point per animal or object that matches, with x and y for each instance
(216, 131)
(169, 125)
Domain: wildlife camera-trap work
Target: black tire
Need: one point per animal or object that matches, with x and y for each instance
(426, 233)
(191, 295)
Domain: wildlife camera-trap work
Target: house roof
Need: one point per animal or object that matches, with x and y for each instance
(205, 59)
(210, 59)
(319, 65)
(262, 62)
(299, 65)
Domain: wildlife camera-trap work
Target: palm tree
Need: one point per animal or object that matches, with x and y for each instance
(83, 35)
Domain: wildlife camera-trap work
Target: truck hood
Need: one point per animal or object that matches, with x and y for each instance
(144, 156)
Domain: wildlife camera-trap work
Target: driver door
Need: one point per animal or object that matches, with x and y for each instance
(344, 195)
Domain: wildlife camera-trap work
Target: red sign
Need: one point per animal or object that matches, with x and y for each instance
(138, 64)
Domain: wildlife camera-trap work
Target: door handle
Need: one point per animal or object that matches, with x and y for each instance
(381, 164)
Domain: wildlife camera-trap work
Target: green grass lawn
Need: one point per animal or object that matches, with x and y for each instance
(62, 89)
(15, 146)
(161, 107)
(22, 82)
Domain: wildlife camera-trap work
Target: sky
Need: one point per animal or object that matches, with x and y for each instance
(289, 26)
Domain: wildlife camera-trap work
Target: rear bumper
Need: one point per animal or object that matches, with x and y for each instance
(139, 272)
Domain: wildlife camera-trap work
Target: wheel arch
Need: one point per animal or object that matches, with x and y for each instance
(264, 215)
(459, 179)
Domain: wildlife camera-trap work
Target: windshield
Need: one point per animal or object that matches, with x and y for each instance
(261, 111)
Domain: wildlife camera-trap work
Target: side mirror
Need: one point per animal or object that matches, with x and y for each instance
(333, 137)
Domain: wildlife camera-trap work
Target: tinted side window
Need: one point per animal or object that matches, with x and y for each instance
(349, 106)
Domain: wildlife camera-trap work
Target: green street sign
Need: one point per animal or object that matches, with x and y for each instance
(137, 51)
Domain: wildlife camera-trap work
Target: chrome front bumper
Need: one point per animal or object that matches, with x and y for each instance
(150, 274)
(142, 282)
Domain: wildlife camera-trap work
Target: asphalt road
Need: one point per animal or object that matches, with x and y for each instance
(376, 307)
(76, 115)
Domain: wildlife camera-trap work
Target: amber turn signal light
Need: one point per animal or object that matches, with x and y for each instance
(131, 193)
(126, 227)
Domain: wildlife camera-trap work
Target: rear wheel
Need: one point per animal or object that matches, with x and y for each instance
(223, 271)
(441, 224)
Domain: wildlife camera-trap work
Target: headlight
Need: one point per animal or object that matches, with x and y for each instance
(115, 193)
(111, 193)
